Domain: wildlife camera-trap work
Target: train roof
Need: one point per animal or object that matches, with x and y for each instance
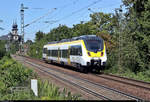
(83, 37)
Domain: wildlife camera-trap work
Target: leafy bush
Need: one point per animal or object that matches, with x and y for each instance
(13, 74)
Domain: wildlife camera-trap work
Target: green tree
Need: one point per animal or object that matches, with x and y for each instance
(138, 22)
(63, 32)
(14, 46)
(81, 29)
(29, 42)
(39, 36)
(103, 22)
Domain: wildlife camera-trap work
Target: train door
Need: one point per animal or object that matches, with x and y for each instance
(46, 54)
(58, 55)
(68, 56)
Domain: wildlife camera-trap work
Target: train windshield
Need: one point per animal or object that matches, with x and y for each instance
(94, 45)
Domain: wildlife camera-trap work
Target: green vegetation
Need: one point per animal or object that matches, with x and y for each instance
(13, 74)
(2, 49)
(133, 26)
(135, 60)
(49, 91)
(144, 76)
(13, 47)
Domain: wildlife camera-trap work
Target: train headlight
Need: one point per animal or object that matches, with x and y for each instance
(102, 53)
(89, 54)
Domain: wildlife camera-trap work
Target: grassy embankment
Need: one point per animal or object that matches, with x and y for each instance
(13, 74)
(144, 76)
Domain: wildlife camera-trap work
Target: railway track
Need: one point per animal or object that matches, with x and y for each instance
(86, 89)
(96, 94)
(72, 83)
(124, 80)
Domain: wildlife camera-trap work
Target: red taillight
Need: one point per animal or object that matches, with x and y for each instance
(89, 54)
(102, 53)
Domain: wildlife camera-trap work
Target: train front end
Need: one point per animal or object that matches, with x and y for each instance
(95, 52)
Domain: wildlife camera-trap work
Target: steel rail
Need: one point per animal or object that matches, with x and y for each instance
(142, 82)
(74, 84)
(102, 86)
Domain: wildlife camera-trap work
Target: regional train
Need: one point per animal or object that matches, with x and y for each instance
(87, 52)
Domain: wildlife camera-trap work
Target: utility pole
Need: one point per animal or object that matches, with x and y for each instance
(119, 16)
(22, 24)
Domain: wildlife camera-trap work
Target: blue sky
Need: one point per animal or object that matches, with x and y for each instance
(67, 12)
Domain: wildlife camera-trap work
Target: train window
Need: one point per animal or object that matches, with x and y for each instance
(52, 53)
(76, 50)
(72, 50)
(48, 52)
(79, 50)
(55, 53)
(64, 53)
(59, 52)
(94, 45)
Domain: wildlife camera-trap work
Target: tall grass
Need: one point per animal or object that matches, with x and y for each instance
(48, 91)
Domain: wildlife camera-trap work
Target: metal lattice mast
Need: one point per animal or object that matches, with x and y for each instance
(119, 15)
(22, 22)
